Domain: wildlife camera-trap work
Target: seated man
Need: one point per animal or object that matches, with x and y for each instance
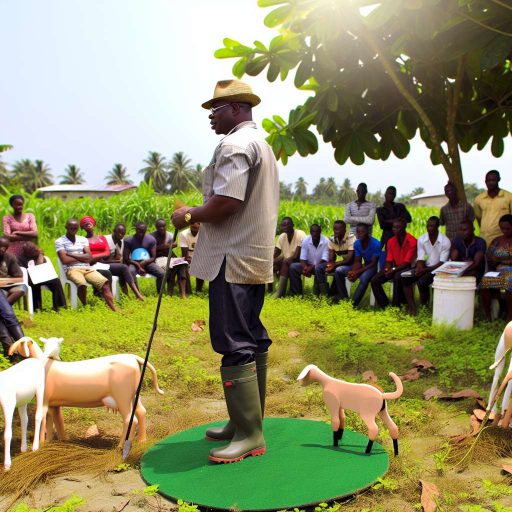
(366, 262)
(471, 248)
(433, 251)
(74, 253)
(314, 254)
(141, 240)
(188, 239)
(400, 255)
(10, 274)
(286, 252)
(164, 244)
(340, 244)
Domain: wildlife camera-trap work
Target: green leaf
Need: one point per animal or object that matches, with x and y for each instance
(356, 152)
(270, 3)
(332, 100)
(277, 16)
(369, 143)
(304, 71)
(260, 46)
(256, 66)
(497, 146)
(239, 67)
(400, 145)
(273, 71)
(342, 151)
(289, 145)
(225, 53)
(268, 126)
(277, 146)
(279, 121)
(434, 157)
(383, 13)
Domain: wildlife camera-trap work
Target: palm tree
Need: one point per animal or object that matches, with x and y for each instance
(32, 175)
(330, 188)
(319, 190)
(118, 176)
(4, 174)
(156, 171)
(181, 171)
(301, 189)
(347, 193)
(197, 177)
(72, 176)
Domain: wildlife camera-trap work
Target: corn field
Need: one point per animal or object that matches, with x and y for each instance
(146, 206)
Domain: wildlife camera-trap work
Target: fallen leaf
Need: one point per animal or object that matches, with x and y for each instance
(429, 493)
(432, 393)
(481, 403)
(198, 325)
(92, 431)
(459, 395)
(506, 469)
(424, 364)
(293, 334)
(419, 348)
(475, 424)
(370, 377)
(412, 374)
(479, 414)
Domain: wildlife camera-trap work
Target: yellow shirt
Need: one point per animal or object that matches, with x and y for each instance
(488, 211)
(341, 247)
(288, 248)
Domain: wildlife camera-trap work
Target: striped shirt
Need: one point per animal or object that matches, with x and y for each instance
(65, 244)
(360, 213)
(243, 167)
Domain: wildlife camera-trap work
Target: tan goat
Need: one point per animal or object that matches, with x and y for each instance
(364, 399)
(109, 381)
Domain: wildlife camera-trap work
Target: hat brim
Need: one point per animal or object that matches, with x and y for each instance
(245, 97)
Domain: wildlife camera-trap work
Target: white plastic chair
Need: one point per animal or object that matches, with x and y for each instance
(27, 298)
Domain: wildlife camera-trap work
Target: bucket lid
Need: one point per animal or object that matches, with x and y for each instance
(454, 283)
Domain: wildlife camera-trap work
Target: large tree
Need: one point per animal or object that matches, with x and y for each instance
(32, 175)
(118, 176)
(72, 176)
(156, 171)
(380, 72)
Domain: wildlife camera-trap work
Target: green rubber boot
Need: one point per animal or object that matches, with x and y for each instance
(227, 431)
(243, 401)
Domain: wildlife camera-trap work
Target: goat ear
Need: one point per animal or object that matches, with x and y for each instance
(44, 340)
(304, 372)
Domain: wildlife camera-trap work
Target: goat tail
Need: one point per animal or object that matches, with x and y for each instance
(399, 388)
(140, 360)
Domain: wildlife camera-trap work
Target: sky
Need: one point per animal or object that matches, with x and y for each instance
(97, 82)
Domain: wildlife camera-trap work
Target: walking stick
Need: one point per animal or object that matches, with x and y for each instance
(127, 443)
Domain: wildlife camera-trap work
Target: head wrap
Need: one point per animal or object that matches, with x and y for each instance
(86, 219)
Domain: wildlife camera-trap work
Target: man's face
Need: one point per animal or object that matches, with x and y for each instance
(140, 230)
(390, 195)
(361, 192)
(361, 233)
(491, 181)
(339, 231)
(466, 230)
(315, 233)
(161, 227)
(120, 232)
(432, 228)
(450, 192)
(221, 117)
(286, 226)
(72, 227)
(4, 244)
(398, 228)
(194, 228)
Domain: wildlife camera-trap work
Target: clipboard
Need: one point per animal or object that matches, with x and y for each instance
(41, 273)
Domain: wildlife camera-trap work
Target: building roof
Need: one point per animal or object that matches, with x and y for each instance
(424, 196)
(86, 188)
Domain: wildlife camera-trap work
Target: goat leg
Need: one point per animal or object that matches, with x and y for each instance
(395, 447)
(336, 436)
(369, 447)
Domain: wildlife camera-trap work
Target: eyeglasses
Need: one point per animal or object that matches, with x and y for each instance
(214, 109)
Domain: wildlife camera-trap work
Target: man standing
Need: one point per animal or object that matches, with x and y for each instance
(399, 258)
(286, 252)
(360, 210)
(234, 252)
(491, 205)
(433, 251)
(340, 244)
(188, 240)
(74, 254)
(314, 255)
(366, 262)
(454, 212)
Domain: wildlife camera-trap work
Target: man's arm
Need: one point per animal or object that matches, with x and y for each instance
(478, 211)
(367, 219)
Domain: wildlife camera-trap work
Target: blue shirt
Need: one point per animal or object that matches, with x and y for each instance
(367, 254)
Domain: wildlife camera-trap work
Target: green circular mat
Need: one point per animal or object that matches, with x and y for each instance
(301, 467)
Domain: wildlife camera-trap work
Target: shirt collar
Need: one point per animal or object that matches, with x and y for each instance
(244, 124)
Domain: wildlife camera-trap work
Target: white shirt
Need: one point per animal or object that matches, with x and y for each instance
(433, 254)
(112, 245)
(314, 255)
(65, 244)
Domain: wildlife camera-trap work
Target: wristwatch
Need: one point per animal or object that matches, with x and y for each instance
(188, 217)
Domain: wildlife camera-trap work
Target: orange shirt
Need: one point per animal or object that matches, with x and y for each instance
(406, 253)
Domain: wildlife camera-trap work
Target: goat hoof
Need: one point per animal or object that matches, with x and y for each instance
(369, 447)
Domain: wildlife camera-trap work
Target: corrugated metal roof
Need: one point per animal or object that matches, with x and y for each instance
(86, 188)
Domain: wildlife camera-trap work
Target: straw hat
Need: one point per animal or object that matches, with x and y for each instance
(233, 91)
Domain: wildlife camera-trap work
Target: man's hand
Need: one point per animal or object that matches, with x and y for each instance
(178, 217)
(389, 271)
(308, 269)
(329, 267)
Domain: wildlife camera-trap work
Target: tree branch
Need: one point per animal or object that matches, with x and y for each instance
(502, 4)
(481, 23)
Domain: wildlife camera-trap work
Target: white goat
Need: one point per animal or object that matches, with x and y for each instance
(504, 346)
(18, 385)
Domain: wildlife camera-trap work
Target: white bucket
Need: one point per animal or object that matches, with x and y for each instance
(454, 301)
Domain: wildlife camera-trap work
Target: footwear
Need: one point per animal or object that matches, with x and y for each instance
(323, 289)
(227, 431)
(243, 401)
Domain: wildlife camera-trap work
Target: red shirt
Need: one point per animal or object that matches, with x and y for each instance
(406, 253)
(101, 245)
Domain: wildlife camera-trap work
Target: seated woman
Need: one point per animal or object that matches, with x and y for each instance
(32, 253)
(19, 227)
(499, 259)
(101, 252)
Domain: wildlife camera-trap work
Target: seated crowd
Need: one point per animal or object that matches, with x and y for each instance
(353, 254)
(93, 259)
